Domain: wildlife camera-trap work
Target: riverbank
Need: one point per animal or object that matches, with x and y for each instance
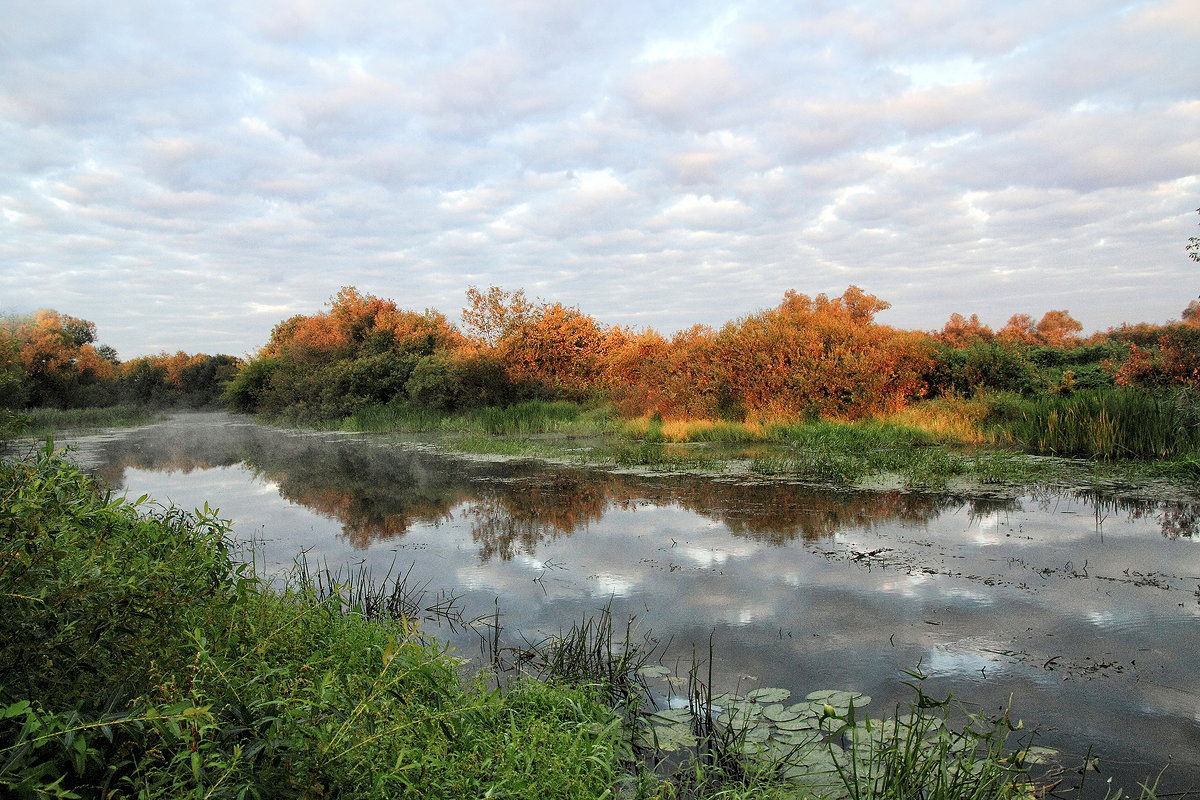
(38, 423)
(145, 662)
(928, 448)
(933, 447)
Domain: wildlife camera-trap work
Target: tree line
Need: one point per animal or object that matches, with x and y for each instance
(807, 357)
(52, 360)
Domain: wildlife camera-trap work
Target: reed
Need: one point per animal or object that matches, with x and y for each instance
(530, 418)
(388, 417)
(38, 422)
(1105, 424)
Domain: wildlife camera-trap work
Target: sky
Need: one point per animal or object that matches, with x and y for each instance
(186, 175)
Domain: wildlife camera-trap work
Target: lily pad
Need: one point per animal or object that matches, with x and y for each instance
(653, 671)
(739, 716)
(777, 712)
(838, 699)
(671, 716)
(768, 695)
(674, 737)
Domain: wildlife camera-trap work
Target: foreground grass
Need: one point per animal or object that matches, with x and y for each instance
(140, 662)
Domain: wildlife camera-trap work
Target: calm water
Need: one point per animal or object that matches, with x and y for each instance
(1085, 611)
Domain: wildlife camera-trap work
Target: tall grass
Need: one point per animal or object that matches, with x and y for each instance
(951, 419)
(395, 417)
(530, 418)
(38, 422)
(1105, 424)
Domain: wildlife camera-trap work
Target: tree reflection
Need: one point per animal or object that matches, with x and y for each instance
(378, 490)
(516, 517)
(1176, 519)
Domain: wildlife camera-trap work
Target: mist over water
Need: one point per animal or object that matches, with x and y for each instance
(1084, 609)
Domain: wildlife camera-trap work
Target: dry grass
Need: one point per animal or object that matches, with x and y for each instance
(946, 419)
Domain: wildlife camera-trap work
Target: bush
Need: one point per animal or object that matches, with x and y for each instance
(85, 578)
(248, 389)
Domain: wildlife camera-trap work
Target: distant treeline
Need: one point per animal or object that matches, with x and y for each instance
(806, 358)
(51, 360)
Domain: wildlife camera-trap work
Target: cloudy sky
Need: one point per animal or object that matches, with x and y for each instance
(188, 174)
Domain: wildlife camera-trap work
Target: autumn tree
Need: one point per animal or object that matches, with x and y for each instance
(1020, 329)
(556, 348)
(1058, 329)
(960, 331)
(176, 379)
(363, 350)
(1191, 314)
(818, 356)
(490, 315)
(54, 354)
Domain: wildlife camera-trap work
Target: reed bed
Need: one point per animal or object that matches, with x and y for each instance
(1105, 424)
(38, 422)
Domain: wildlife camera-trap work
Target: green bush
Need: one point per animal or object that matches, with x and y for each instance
(85, 579)
(140, 661)
(985, 366)
(248, 389)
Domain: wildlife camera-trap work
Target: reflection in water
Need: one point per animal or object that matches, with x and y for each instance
(1082, 606)
(378, 492)
(1175, 519)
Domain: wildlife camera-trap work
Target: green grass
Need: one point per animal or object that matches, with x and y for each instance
(1106, 424)
(531, 418)
(141, 662)
(38, 422)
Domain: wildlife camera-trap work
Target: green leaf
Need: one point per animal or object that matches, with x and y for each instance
(674, 737)
(671, 716)
(16, 709)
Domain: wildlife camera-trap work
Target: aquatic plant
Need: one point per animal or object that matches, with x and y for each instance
(1107, 424)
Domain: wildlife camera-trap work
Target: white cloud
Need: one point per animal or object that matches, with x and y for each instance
(935, 153)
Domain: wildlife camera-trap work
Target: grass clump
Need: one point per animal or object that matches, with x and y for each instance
(141, 661)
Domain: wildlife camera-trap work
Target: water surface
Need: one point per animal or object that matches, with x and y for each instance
(1085, 610)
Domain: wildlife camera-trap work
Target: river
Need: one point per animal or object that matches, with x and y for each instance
(1083, 609)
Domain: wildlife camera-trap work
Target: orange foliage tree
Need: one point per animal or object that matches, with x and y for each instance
(1055, 329)
(54, 356)
(960, 331)
(550, 349)
(819, 356)
(557, 348)
(1058, 329)
(363, 350)
(1171, 358)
